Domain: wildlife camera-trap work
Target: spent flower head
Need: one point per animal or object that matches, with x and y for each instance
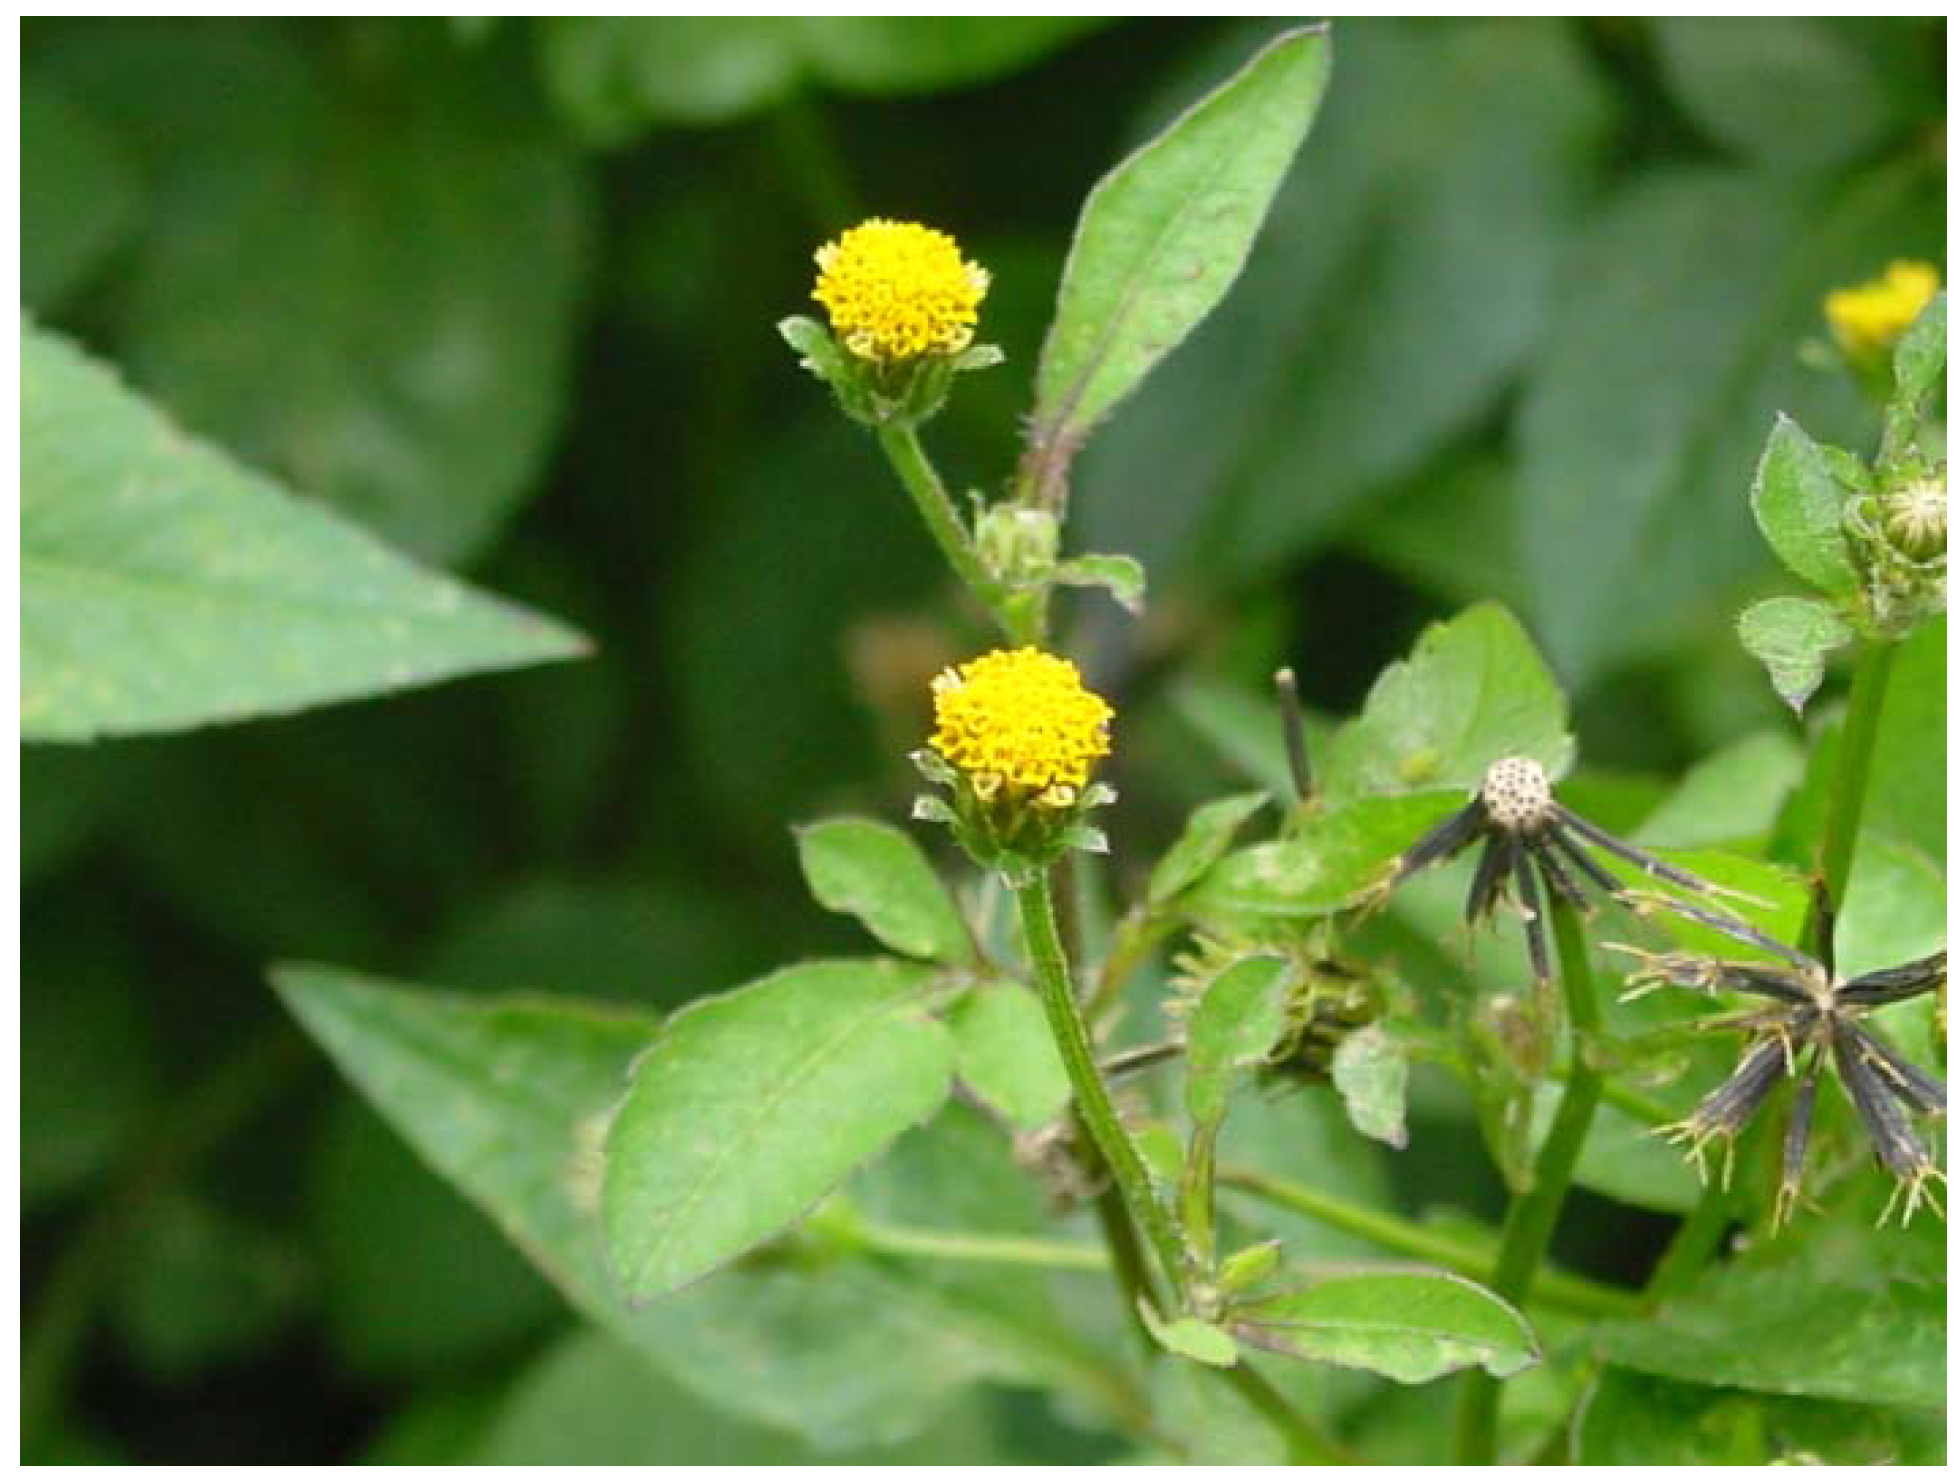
(895, 291)
(1867, 319)
(1534, 843)
(1016, 739)
(1808, 1017)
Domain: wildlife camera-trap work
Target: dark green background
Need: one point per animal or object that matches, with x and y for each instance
(506, 292)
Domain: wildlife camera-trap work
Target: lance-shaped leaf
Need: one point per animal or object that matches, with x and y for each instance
(1409, 1326)
(751, 1106)
(163, 586)
(876, 873)
(1161, 239)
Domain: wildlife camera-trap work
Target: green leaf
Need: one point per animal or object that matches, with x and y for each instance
(1792, 637)
(1640, 1420)
(1661, 379)
(1896, 909)
(1798, 504)
(1369, 1069)
(1190, 1337)
(1205, 837)
(509, 1099)
(751, 1106)
(1162, 237)
(1473, 690)
(1006, 1055)
(78, 193)
(374, 302)
(1730, 796)
(1442, 183)
(1919, 362)
(1823, 1310)
(1409, 1326)
(1796, 93)
(1236, 1022)
(1332, 860)
(589, 1400)
(878, 875)
(1120, 576)
(162, 586)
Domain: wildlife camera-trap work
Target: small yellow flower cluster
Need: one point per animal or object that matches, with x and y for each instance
(1021, 719)
(896, 291)
(1868, 319)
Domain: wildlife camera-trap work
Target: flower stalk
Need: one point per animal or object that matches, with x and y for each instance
(927, 493)
(1532, 1217)
(1091, 1097)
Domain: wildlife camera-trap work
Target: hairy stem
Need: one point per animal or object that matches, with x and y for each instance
(1532, 1216)
(954, 540)
(1091, 1098)
(1554, 1288)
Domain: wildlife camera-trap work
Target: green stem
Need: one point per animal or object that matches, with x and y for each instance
(1532, 1216)
(1015, 1251)
(941, 520)
(1091, 1099)
(1554, 1287)
(1849, 789)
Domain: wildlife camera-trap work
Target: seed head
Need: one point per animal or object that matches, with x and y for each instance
(897, 292)
(1022, 721)
(1516, 794)
(1869, 318)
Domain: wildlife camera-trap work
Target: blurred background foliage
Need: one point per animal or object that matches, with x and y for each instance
(505, 293)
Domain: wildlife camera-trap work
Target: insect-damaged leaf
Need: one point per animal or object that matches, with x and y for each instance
(751, 1106)
(1792, 637)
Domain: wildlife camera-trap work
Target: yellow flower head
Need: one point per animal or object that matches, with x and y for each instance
(896, 291)
(1020, 719)
(1868, 319)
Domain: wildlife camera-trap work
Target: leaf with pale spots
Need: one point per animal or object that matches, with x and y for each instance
(163, 586)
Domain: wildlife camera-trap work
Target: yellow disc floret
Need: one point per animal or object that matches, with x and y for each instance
(1868, 319)
(896, 291)
(1022, 720)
